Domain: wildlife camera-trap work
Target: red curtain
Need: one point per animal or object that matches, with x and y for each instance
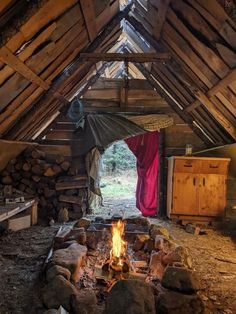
(145, 148)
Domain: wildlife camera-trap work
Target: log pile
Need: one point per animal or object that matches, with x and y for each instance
(50, 178)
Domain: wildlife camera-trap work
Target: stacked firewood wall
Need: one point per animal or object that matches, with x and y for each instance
(53, 179)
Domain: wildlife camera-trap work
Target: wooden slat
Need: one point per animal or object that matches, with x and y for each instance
(213, 60)
(7, 57)
(63, 150)
(46, 14)
(221, 85)
(59, 135)
(89, 17)
(218, 116)
(162, 7)
(129, 57)
(27, 52)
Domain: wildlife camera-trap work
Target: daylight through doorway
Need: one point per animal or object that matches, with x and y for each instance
(118, 181)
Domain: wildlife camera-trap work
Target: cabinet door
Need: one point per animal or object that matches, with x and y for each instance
(185, 200)
(211, 195)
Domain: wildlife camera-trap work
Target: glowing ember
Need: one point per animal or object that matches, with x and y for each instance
(118, 244)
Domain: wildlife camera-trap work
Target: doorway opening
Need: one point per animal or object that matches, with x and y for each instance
(119, 179)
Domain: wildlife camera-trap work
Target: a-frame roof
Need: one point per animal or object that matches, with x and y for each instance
(41, 69)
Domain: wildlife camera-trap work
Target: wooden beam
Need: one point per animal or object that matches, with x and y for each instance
(63, 77)
(128, 57)
(187, 118)
(227, 80)
(87, 7)
(8, 58)
(230, 128)
(162, 7)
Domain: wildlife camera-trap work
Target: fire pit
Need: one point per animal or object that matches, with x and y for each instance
(98, 263)
(118, 263)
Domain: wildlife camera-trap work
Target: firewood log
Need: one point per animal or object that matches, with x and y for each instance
(65, 165)
(16, 176)
(19, 164)
(25, 174)
(48, 193)
(21, 187)
(42, 201)
(5, 173)
(36, 178)
(10, 168)
(29, 191)
(26, 166)
(7, 180)
(36, 169)
(70, 199)
(26, 182)
(37, 154)
(60, 159)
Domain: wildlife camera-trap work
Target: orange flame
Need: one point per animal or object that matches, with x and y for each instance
(118, 244)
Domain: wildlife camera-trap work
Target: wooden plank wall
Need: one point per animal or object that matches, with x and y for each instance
(201, 75)
(37, 53)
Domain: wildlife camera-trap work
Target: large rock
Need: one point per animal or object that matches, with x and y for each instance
(59, 291)
(164, 244)
(137, 219)
(56, 270)
(92, 240)
(140, 241)
(83, 222)
(149, 246)
(130, 296)
(179, 255)
(192, 229)
(180, 279)
(71, 258)
(158, 230)
(85, 302)
(156, 267)
(170, 302)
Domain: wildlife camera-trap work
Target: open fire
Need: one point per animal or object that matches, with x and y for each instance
(118, 250)
(118, 261)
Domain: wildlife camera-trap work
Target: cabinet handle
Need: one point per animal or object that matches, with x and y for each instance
(214, 166)
(194, 181)
(203, 181)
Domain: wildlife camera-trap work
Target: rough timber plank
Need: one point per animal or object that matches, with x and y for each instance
(218, 116)
(27, 52)
(212, 59)
(11, 60)
(129, 57)
(89, 17)
(46, 14)
(161, 16)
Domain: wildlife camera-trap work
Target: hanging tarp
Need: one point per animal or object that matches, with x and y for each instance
(145, 148)
(100, 130)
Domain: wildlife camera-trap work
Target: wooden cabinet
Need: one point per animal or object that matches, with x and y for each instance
(196, 187)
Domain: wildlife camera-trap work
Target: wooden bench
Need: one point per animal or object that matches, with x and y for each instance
(25, 215)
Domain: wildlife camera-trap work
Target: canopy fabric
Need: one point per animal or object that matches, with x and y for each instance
(100, 130)
(145, 148)
(152, 122)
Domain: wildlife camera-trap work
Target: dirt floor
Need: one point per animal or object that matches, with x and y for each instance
(210, 253)
(22, 255)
